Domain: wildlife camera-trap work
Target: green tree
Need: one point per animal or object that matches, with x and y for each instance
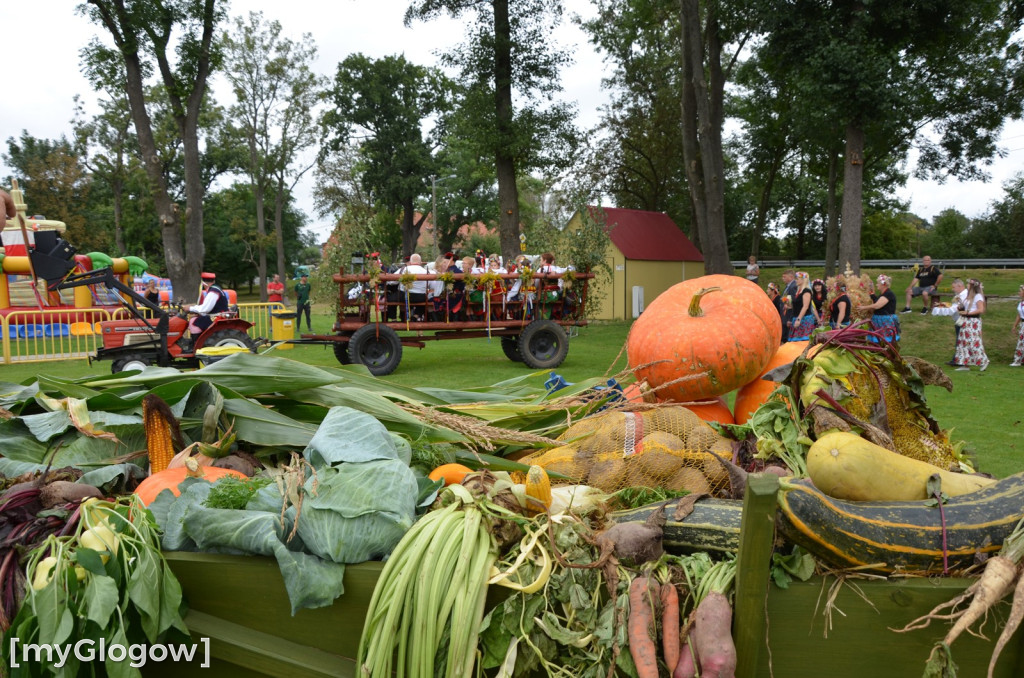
(384, 103)
(949, 235)
(636, 159)
(275, 92)
(232, 238)
(146, 36)
(113, 161)
(56, 185)
(508, 55)
(886, 72)
(1000, 232)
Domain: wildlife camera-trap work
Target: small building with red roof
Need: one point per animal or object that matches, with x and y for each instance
(647, 254)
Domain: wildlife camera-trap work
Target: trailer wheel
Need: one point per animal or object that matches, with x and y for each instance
(230, 338)
(510, 345)
(132, 361)
(377, 347)
(341, 352)
(543, 344)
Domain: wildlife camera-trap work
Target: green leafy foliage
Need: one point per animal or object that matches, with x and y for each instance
(124, 594)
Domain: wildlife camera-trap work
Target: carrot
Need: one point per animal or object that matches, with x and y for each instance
(712, 637)
(1012, 622)
(641, 629)
(687, 666)
(670, 624)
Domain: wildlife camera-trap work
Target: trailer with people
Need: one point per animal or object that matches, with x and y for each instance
(532, 312)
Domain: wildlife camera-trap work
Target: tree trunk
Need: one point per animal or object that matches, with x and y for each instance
(832, 228)
(691, 148)
(853, 208)
(762, 206)
(504, 160)
(410, 234)
(279, 229)
(261, 239)
(117, 189)
(709, 97)
(166, 210)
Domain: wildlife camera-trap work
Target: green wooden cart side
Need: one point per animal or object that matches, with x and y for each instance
(240, 604)
(787, 632)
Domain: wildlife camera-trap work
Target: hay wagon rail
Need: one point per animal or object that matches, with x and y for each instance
(373, 326)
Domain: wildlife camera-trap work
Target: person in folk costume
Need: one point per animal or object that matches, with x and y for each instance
(497, 293)
(883, 310)
(819, 297)
(970, 350)
(839, 308)
(1018, 328)
(805, 319)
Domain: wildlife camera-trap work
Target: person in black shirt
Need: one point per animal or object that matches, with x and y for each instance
(924, 285)
(884, 319)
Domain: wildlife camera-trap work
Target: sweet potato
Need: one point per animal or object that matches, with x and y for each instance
(712, 637)
(687, 665)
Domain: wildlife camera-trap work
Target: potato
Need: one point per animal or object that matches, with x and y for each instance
(665, 439)
(608, 475)
(689, 479)
(656, 463)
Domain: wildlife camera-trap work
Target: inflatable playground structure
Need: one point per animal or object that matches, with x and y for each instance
(37, 321)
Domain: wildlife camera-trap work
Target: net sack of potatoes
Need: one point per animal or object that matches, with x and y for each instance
(668, 447)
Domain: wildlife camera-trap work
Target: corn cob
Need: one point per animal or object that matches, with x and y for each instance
(159, 443)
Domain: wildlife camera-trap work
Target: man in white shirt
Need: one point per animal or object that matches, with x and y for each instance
(417, 290)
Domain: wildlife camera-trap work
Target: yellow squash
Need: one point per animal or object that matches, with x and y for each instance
(846, 466)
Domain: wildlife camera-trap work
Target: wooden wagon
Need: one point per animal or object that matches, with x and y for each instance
(373, 326)
(804, 631)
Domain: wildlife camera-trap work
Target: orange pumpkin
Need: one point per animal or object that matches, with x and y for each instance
(709, 335)
(751, 396)
(716, 410)
(169, 479)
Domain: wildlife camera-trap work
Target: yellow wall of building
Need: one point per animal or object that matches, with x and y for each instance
(615, 300)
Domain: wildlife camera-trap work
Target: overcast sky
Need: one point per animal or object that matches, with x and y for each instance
(40, 53)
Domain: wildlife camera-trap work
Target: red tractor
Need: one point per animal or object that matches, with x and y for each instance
(136, 342)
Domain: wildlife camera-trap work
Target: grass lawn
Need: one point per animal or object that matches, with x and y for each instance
(984, 409)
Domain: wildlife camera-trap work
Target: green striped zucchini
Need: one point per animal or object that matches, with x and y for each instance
(713, 525)
(886, 536)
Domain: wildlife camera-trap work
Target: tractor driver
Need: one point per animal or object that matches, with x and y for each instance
(211, 301)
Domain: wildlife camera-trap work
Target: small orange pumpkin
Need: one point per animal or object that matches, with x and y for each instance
(716, 410)
(751, 396)
(169, 479)
(708, 335)
(451, 474)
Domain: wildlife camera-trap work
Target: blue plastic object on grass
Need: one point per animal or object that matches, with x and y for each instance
(30, 331)
(555, 383)
(57, 330)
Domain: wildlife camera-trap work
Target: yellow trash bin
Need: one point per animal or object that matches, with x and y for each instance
(282, 328)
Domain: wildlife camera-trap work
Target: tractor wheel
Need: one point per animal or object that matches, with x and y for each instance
(132, 361)
(543, 344)
(377, 347)
(230, 338)
(510, 345)
(341, 352)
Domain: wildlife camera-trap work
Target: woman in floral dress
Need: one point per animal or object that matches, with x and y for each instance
(969, 348)
(1018, 327)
